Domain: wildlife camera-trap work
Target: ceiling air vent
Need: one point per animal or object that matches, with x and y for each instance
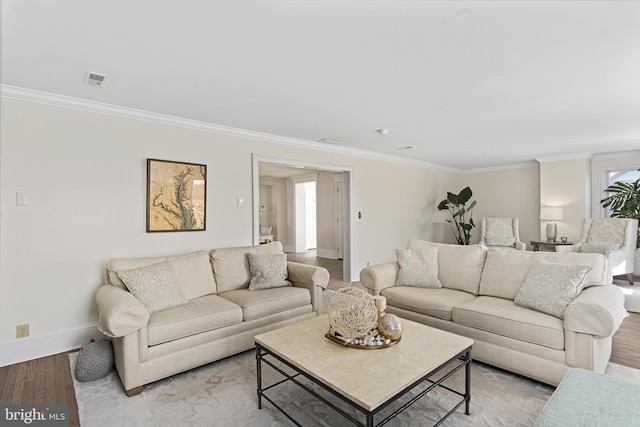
(94, 79)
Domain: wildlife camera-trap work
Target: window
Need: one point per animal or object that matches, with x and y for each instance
(627, 174)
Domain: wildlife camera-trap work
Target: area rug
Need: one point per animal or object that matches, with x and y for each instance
(223, 393)
(631, 295)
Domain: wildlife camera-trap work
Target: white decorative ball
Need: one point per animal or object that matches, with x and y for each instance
(352, 312)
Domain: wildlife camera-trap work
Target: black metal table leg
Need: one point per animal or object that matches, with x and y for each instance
(259, 375)
(467, 387)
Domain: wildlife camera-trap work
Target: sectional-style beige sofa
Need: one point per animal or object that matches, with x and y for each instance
(476, 300)
(217, 315)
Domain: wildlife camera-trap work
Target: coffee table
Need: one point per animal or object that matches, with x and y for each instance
(367, 380)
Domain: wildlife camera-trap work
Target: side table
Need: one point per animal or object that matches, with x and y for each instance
(537, 243)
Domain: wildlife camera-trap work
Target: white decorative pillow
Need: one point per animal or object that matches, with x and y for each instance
(267, 271)
(155, 286)
(418, 267)
(598, 247)
(550, 288)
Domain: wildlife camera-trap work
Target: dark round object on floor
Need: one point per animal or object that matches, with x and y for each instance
(95, 360)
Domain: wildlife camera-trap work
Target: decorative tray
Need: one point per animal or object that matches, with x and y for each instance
(360, 346)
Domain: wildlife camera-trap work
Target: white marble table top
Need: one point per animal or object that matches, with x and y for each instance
(367, 377)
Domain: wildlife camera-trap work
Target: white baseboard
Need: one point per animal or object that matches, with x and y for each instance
(327, 253)
(23, 349)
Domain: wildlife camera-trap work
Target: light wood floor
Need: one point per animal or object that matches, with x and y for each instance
(48, 380)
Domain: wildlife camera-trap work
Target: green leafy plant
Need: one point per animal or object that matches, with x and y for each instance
(624, 201)
(461, 221)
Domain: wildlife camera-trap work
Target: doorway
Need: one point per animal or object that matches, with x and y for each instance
(282, 175)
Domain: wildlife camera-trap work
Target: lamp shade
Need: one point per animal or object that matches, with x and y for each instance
(551, 213)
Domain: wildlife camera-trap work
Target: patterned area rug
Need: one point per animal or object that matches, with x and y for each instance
(223, 393)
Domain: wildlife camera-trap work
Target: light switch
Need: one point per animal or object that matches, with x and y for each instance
(240, 202)
(22, 198)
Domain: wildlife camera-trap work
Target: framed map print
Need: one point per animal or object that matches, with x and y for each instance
(176, 196)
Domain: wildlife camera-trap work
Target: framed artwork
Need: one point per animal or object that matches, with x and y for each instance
(176, 196)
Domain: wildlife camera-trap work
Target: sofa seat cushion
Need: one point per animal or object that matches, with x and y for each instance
(199, 315)
(503, 317)
(431, 302)
(257, 304)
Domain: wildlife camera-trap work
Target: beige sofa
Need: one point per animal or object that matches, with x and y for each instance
(219, 318)
(476, 300)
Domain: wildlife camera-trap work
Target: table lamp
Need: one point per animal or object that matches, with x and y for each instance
(551, 213)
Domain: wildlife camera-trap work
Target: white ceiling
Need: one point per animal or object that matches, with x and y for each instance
(468, 84)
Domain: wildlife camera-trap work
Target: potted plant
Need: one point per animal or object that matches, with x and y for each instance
(624, 202)
(461, 216)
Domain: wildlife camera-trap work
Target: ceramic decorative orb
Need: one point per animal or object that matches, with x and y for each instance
(390, 326)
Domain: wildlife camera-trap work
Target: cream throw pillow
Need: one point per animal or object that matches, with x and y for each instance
(550, 287)
(418, 267)
(155, 286)
(267, 271)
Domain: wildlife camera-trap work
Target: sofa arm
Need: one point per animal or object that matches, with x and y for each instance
(598, 310)
(310, 277)
(119, 312)
(377, 277)
(310, 274)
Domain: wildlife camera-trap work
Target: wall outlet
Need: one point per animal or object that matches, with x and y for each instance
(22, 331)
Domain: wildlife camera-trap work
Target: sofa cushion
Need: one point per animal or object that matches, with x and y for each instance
(550, 287)
(418, 267)
(459, 266)
(432, 302)
(231, 265)
(503, 317)
(505, 271)
(195, 276)
(268, 301)
(199, 315)
(193, 270)
(155, 286)
(267, 271)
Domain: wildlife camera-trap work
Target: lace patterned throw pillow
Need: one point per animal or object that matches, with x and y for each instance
(268, 271)
(418, 267)
(550, 287)
(155, 286)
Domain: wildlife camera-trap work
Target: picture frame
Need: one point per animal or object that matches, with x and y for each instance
(176, 196)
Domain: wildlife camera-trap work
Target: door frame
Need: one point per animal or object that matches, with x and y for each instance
(348, 189)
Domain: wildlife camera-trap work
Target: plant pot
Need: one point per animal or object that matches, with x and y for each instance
(636, 264)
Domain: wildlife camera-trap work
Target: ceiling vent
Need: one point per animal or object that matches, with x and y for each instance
(94, 79)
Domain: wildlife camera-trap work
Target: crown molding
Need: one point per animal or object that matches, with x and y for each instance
(621, 154)
(36, 96)
(562, 157)
(531, 164)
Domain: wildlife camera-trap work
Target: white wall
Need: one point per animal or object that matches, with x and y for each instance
(326, 219)
(512, 193)
(565, 183)
(86, 178)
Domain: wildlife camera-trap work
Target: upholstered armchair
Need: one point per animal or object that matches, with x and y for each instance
(501, 232)
(613, 237)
